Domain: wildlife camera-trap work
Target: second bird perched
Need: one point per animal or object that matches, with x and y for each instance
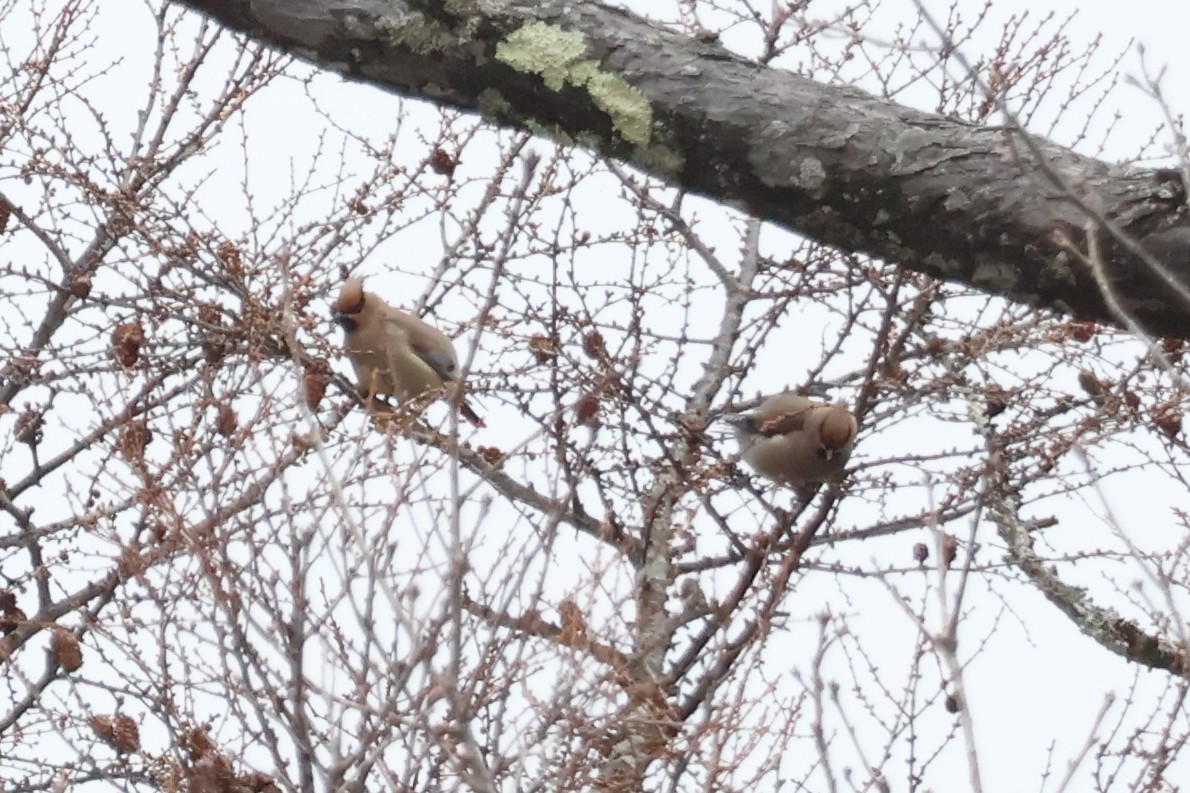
(796, 440)
(395, 353)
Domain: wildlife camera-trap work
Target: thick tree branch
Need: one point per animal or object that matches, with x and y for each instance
(959, 202)
(1104, 625)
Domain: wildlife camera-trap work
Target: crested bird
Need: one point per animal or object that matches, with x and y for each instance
(395, 353)
(796, 440)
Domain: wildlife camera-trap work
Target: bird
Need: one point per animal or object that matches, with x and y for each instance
(792, 439)
(394, 353)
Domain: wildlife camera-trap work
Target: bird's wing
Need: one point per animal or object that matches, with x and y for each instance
(784, 423)
(421, 338)
(443, 365)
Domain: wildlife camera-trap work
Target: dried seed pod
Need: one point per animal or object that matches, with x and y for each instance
(121, 732)
(443, 163)
(66, 649)
(125, 734)
(574, 625)
(953, 704)
(28, 429)
(1092, 386)
(950, 550)
(1173, 349)
(1090, 383)
(1168, 419)
(231, 258)
(491, 455)
(134, 438)
(921, 552)
(103, 727)
(197, 743)
(593, 345)
(227, 421)
(1081, 330)
(314, 384)
(586, 410)
(544, 349)
(212, 774)
(80, 286)
(997, 400)
(214, 342)
(257, 782)
(305, 441)
(210, 315)
(5, 213)
(13, 618)
(127, 339)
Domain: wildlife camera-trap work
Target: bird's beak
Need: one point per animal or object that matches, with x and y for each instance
(342, 320)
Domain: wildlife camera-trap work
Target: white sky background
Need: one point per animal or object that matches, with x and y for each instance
(1045, 689)
(1042, 688)
(1041, 691)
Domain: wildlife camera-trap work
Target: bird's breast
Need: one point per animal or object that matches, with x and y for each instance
(394, 369)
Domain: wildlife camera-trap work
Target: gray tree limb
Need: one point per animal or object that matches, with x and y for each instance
(969, 204)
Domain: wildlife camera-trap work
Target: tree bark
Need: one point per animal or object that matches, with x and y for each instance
(982, 206)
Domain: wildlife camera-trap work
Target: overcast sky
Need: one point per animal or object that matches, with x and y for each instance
(1047, 669)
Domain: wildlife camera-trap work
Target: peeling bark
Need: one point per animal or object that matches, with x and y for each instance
(959, 202)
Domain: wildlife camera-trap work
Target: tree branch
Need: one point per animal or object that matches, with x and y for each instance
(959, 202)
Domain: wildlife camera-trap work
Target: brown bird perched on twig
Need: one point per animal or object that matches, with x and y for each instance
(796, 440)
(394, 353)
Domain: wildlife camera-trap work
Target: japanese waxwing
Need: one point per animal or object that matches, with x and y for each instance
(394, 353)
(796, 440)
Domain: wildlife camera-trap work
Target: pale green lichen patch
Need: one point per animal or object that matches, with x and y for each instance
(811, 174)
(583, 72)
(544, 50)
(556, 55)
(422, 34)
(493, 105)
(630, 112)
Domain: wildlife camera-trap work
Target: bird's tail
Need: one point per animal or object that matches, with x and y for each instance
(469, 413)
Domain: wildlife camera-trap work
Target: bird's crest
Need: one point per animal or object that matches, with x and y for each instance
(351, 297)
